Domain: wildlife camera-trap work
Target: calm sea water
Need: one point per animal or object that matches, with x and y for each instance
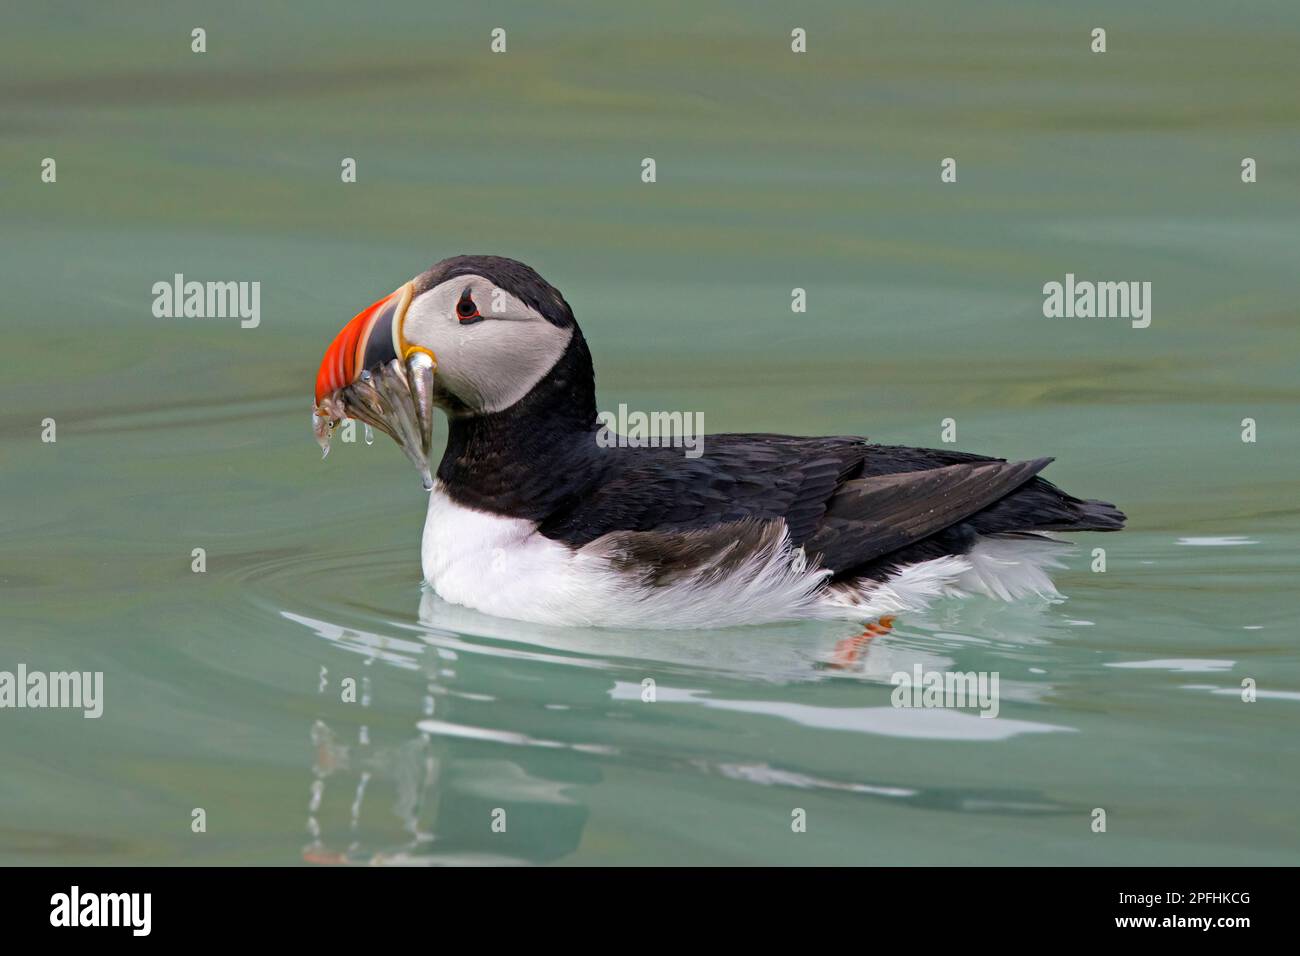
(224, 689)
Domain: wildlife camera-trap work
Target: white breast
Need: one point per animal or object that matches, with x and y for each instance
(493, 564)
(502, 566)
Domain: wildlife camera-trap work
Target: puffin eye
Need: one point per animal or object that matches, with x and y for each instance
(466, 310)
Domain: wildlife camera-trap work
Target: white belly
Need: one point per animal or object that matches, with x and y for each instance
(502, 566)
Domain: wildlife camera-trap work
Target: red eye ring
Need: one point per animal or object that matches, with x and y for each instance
(466, 310)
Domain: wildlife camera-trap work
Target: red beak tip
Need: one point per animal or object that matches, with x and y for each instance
(341, 364)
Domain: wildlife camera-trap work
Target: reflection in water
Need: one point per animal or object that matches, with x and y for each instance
(410, 767)
(465, 754)
(435, 819)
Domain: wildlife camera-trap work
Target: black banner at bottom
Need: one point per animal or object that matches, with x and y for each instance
(212, 905)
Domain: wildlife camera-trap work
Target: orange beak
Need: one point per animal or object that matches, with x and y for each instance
(373, 338)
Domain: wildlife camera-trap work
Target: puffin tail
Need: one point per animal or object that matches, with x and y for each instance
(1039, 505)
(1094, 515)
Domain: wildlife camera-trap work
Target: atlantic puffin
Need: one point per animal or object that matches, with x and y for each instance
(533, 516)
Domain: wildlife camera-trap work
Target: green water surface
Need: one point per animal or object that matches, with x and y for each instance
(224, 689)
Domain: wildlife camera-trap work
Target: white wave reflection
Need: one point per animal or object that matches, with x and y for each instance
(915, 723)
(775, 777)
(1178, 665)
(391, 650)
(1236, 692)
(444, 728)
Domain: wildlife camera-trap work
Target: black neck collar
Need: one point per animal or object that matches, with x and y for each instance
(530, 459)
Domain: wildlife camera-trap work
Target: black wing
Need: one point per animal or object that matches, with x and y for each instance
(870, 517)
(856, 507)
(737, 477)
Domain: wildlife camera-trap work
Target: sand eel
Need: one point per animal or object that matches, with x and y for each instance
(532, 516)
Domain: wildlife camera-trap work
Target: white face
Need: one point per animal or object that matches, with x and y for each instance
(489, 363)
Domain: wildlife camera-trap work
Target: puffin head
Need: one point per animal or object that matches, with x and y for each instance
(473, 335)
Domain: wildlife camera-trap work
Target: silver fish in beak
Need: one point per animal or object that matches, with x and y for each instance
(362, 377)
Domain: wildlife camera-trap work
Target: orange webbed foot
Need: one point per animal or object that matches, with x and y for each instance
(849, 651)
